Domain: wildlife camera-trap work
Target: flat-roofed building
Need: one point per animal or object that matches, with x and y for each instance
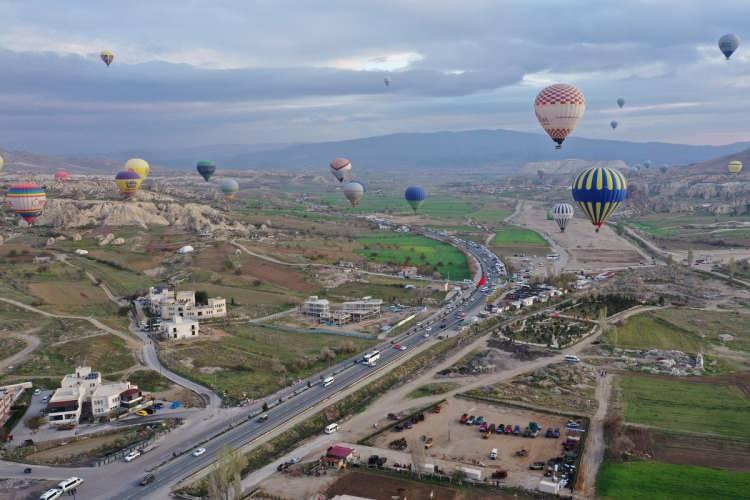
(361, 309)
(65, 406)
(179, 328)
(315, 306)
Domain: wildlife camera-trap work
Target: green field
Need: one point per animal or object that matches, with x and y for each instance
(680, 406)
(389, 292)
(121, 282)
(512, 240)
(405, 249)
(439, 206)
(433, 389)
(701, 231)
(658, 481)
(491, 216)
(149, 380)
(688, 330)
(255, 361)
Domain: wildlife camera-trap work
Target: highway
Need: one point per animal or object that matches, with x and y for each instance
(213, 428)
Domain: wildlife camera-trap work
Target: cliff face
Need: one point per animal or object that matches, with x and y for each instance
(64, 214)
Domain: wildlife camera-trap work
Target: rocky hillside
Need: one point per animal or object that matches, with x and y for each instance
(69, 214)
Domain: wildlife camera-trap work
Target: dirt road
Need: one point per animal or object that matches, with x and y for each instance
(32, 343)
(594, 452)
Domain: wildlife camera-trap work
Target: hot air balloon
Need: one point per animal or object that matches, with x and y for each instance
(341, 168)
(558, 109)
(620, 101)
(139, 166)
(229, 187)
(599, 191)
(562, 213)
(614, 124)
(664, 167)
(735, 167)
(62, 176)
(107, 57)
(387, 81)
(354, 192)
(728, 44)
(415, 196)
(27, 200)
(128, 182)
(206, 169)
(647, 163)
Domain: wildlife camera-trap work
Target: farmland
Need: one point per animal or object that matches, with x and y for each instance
(388, 290)
(416, 251)
(696, 231)
(688, 330)
(682, 406)
(657, 481)
(254, 361)
(513, 240)
(439, 206)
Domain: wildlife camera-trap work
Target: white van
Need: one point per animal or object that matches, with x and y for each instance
(493, 454)
(328, 381)
(70, 483)
(569, 358)
(52, 494)
(331, 428)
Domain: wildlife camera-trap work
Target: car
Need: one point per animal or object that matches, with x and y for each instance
(500, 429)
(262, 418)
(159, 406)
(426, 335)
(147, 479)
(37, 392)
(470, 420)
(402, 348)
(444, 326)
(199, 451)
(27, 470)
(294, 460)
(44, 399)
(397, 346)
(132, 455)
(537, 466)
(483, 427)
(493, 454)
(142, 413)
(428, 329)
(479, 420)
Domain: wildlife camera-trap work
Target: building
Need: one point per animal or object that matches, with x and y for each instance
(409, 271)
(168, 303)
(180, 328)
(6, 401)
(315, 306)
(361, 309)
(83, 392)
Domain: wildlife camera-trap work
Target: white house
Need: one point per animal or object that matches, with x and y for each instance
(180, 328)
(106, 398)
(170, 303)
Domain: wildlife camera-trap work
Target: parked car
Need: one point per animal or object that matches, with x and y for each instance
(537, 466)
(132, 455)
(470, 420)
(500, 429)
(556, 433)
(463, 418)
(516, 430)
(198, 452)
(37, 392)
(27, 470)
(479, 420)
(142, 413)
(483, 427)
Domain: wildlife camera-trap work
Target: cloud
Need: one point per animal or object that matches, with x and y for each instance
(194, 72)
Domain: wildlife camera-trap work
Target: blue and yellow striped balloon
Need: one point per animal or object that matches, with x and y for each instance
(599, 191)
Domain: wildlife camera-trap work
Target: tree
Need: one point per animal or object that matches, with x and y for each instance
(35, 423)
(458, 475)
(225, 480)
(691, 257)
(201, 297)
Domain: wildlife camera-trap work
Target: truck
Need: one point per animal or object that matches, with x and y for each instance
(371, 358)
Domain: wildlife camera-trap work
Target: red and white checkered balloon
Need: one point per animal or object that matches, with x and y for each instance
(558, 109)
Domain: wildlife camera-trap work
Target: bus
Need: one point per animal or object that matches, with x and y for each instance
(569, 358)
(371, 358)
(328, 381)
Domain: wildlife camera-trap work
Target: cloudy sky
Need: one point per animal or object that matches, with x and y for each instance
(189, 72)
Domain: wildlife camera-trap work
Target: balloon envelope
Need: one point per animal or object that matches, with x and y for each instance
(229, 187)
(415, 196)
(27, 200)
(735, 167)
(139, 166)
(340, 168)
(614, 124)
(354, 192)
(599, 191)
(62, 175)
(387, 81)
(558, 108)
(206, 169)
(621, 102)
(107, 57)
(562, 213)
(128, 182)
(647, 163)
(728, 44)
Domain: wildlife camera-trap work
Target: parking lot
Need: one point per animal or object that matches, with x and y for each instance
(461, 444)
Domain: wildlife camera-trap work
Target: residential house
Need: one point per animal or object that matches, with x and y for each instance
(180, 328)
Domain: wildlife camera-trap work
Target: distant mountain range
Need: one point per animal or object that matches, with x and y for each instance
(473, 149)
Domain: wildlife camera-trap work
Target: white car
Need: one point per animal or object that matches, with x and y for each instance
(132, 455)
(198, 452)
(428, 329)
(402, 348)
(37, 392)
(426, 335)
